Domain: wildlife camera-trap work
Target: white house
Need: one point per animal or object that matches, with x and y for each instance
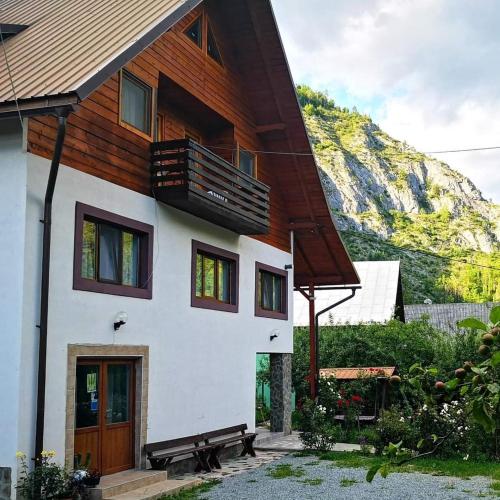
(134, 300)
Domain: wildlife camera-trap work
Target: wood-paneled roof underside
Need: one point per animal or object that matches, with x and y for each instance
(320, 256)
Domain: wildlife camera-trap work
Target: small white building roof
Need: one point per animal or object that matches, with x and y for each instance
(375, 302)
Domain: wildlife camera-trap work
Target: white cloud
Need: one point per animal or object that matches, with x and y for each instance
(430, 68)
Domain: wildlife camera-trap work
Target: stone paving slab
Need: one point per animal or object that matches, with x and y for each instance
(293, 443)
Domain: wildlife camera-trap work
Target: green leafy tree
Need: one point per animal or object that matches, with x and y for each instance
(474, 386)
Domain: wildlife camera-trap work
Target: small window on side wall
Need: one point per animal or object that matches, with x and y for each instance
(214, 280)
(113, 254)
(136, 101)
(247, 162)
(195, 31)
(212, 48)
(271, 292)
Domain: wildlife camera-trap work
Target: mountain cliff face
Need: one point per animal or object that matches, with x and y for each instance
(387, 197)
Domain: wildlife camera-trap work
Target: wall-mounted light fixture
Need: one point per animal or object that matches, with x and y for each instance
(274, 335)
(120, 320)
(288, 266)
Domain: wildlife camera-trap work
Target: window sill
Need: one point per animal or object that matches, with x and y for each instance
(87, 285)
(213, 305)
(263, 313)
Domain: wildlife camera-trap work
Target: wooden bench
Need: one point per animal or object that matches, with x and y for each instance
(204, 447)
(161, 453)
(218, 440)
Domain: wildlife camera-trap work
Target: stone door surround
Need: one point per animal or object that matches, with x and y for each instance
(141, 354)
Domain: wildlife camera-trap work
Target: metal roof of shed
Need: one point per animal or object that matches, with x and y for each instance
(445, 316)
(375, 302)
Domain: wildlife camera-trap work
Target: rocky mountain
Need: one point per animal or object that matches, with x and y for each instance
(388, 198)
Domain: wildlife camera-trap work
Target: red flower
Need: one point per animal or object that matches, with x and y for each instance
(347, 403)
(356, 398)
(339, 403)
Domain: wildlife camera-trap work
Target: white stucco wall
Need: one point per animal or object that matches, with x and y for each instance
(202, 362)
(12, 230)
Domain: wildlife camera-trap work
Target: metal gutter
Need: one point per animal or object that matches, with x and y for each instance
(62, 115)
(316, 326)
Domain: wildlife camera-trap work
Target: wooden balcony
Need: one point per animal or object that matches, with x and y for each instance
(190, 177)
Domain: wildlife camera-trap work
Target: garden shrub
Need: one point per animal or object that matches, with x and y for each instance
(392, 427)
(318, 430)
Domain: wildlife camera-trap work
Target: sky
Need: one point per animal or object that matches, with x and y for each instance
(426, 71)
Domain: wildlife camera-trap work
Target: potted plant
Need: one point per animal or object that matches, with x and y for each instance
(92, 479)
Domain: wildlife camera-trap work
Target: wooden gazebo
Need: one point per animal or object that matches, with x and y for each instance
(381, 373)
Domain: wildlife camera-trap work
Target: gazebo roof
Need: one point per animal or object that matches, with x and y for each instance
(358, 373)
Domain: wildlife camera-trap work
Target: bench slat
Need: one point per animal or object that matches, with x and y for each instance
(183, 451)
(227, 430)
(232, 439)
(173, 443)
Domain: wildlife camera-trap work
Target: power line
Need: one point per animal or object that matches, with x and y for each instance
(414, 250)
(461, 150)
(292, 153)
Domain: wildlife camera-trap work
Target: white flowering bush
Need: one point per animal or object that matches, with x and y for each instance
(318, 430)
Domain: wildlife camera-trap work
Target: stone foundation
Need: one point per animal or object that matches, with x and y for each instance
(281, 393)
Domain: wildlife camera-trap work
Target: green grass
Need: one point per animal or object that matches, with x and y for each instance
(346, 483)
(312, 482)
(193, 493)
(455, 467)
(283, 471)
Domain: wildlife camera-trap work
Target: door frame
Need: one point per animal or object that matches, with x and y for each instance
(140, 355)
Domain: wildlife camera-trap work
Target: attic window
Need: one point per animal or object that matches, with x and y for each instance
(194, 32)
(9, 30)
(212, 49)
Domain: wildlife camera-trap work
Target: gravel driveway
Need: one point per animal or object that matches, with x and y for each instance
(322, 480)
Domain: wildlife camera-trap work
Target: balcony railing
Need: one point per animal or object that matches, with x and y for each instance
(190, 177)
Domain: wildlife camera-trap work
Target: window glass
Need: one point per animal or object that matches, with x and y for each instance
(212, 49)
(247, 162)
(87, 396)
(209, 276)
(223, 282)
(130, 259)
(199, 275)
(117, 394)
(270, 291)
(194, 32)
(109, 253)
(115, 250)
(89, 250)
(136, 103)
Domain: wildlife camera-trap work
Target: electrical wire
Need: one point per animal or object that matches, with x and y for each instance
(291, 153)
(9, 72)
(414, 250)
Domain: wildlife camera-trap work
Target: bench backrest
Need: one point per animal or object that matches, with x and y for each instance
(173, 443)
(225, 431)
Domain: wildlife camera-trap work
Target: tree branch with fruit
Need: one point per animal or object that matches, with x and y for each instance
(474, 386)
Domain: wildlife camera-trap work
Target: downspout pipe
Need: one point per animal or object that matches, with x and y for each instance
(62, 115)
(316, 328)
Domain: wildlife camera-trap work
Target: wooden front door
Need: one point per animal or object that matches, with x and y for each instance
(104, 414)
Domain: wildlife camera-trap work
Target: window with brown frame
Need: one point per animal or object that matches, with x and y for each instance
(215, 276)
(136, 104)
(271, 292)
(113, 254)
(247, 162)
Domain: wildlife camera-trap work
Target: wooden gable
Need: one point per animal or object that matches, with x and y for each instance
(249, 99)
